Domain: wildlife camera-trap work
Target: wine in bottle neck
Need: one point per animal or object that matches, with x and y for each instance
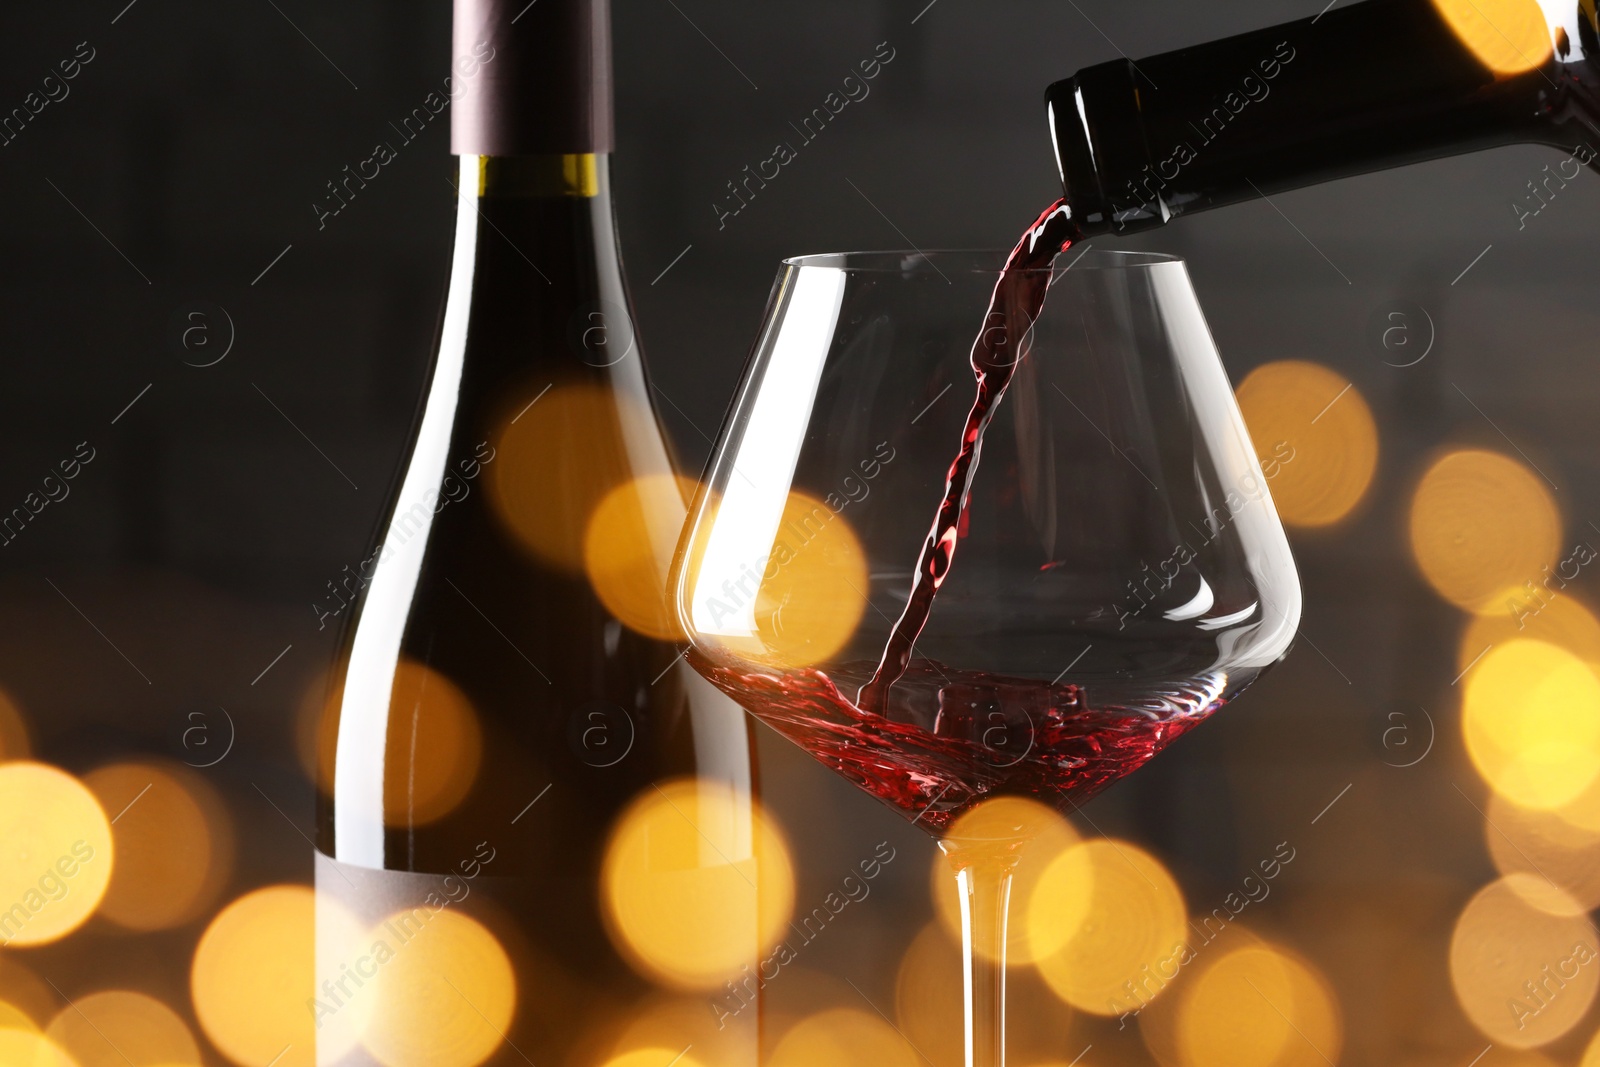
(1355, 89)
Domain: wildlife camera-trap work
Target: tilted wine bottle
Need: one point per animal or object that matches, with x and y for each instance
(534, 816)
(1356, 88)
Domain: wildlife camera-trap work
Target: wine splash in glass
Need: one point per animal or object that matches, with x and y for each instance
(1122, 570)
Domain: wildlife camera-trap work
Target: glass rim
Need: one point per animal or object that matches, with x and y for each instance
(974, 261)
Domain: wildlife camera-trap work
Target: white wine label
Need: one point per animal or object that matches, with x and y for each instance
(473, 968)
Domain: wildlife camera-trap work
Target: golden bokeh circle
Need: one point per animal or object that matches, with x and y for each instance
(697, 882)
(445, 999)
(1048, 836)
(1506, 36)
(1482, 523)
(56, 853)
(1531, 719)
(1563, 621)
(119, 1027)
(1253, 1005)
(1591, 1054)
(1315, 437)
(27, 1048)
(557, 456)
(928, 1004)
(316, 726)
(1503, 951)
(1549, 847)
(1133, 925)
(628, 548)
(254, 983)
(14, 740)
(724, 1036)
(800, 598)
(843, 1037)
(30, 1003)
(433, 747)
(173, 840)
(653, 1057)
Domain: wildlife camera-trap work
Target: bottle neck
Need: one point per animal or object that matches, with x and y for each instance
(539, 272)
(1355, 89)
(577, 178)
(533, 77)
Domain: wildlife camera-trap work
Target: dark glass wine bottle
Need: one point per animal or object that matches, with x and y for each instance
(1357, 88)
(517, 765)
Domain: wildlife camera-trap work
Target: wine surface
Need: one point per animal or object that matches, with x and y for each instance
(957, 737)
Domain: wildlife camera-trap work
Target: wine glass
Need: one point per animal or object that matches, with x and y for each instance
(1027, 594)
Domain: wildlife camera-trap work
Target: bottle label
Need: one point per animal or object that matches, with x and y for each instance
(475, 967)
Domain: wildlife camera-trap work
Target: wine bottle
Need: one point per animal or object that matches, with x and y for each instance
(1357, 88)
(514, 710)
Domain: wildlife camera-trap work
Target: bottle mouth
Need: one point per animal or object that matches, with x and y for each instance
(973, 261)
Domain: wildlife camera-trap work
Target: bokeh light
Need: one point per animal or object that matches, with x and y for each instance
(26, 994)
(1482, 523)
(843, 1037)
(316, 726)
(14, 740)
(119, 1028)
(446, 997)
(1250, 1005)
(1129, 943)
(1563, 621)
(1048, 835)
(557, 457)
(432, 752)
(173, 840)
(254, 979)
(1507, 36)
(1524, 974)
(56, 853)
(27, 1048)
(1531, 718)
(928, 1005)
(433, 748)
(1315, 437)
(628, 548)
(654, 1057)
(719, 1037)
(1591, 1055)
(1546, 845)
(790, 603)
(697, 882)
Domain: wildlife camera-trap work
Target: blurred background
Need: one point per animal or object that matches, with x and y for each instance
(1417, 777)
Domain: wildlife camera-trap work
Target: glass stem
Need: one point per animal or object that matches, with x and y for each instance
(983, 876)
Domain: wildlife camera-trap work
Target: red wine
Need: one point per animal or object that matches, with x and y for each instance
(958, 737)
(1018, 299)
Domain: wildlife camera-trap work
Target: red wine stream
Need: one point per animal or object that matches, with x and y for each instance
(1018, 300)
